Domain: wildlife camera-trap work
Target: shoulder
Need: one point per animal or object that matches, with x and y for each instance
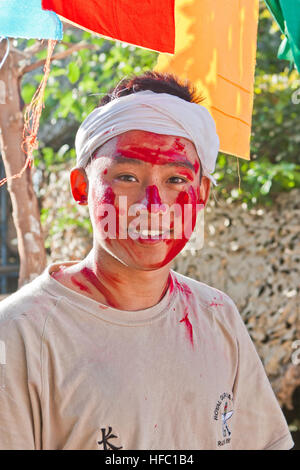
(28, 307)
(215, 302)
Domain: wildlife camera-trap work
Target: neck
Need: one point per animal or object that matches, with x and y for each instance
(120, 286)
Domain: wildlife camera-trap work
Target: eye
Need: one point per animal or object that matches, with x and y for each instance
(177, 180)
(127, 178)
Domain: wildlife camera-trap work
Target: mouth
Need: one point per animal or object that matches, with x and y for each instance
(152, 236)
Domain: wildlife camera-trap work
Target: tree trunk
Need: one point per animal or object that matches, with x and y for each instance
(26, 214)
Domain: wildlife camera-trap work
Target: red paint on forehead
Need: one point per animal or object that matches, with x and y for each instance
(154, 150)
(151, 155)
(179, 145)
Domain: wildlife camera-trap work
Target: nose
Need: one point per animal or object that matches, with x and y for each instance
(152, 199)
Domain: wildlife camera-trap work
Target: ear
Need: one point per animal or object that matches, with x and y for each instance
(79, 185)
(204, 190)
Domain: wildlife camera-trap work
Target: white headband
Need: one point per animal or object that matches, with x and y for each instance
(160, 113)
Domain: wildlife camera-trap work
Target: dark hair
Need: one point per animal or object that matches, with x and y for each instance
(154, 81)
(158, 83)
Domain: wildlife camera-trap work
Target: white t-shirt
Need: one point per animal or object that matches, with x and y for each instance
(182, 375)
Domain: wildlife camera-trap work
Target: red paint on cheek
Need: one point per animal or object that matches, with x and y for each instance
(188, 325)
(182, 199)
(188, 219)
(80, 285)
(108, 196)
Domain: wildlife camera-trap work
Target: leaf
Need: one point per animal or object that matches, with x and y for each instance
(74, 72)
(27, 92)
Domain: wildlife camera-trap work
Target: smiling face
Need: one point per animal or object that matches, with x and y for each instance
(158, 173)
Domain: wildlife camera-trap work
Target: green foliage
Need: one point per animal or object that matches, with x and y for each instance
(259, 179)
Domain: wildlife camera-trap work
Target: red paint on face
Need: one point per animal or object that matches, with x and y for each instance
(155, 152)
(196, 166)
(80, 285)
(155, 156)
(176, 245)
(179, 145)
(187, 174)
(152, 196)
(188, 325)
(108, 196)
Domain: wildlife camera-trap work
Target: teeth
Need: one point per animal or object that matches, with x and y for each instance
(151, 233)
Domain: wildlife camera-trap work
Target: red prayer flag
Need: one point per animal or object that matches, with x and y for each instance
(145, 23)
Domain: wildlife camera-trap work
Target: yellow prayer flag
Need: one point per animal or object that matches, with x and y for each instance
(215, 48)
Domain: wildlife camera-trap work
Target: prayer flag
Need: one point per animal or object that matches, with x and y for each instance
(148, 24)
(287, 16)
(27, 20)
(215, 48)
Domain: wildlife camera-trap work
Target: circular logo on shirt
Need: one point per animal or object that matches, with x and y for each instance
(222, 414)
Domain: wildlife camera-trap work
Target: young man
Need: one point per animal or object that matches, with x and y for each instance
(118, 351)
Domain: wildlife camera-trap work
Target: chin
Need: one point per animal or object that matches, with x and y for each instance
(143, 256)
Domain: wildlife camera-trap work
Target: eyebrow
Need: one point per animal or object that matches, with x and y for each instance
(119, 159)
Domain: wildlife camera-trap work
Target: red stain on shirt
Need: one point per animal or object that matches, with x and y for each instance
(184, 288)
(188, 325)
(215, 304)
